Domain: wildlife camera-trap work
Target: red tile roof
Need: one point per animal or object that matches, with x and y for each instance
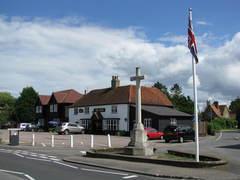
(216, 110)
(67, 96)
(44, 99)
(124, 95)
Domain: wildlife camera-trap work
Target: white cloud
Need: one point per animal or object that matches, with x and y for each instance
(203, 23)
(70, 53)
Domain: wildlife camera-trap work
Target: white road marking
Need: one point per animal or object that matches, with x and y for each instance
(83, 152)
(19, 155)
(52, 156)
(106, 172)
(129, 177)
(74, 167)
(55, 159)
(39, 159)
(29, 177)
(19, 173)
(44, 145)
(219, 137)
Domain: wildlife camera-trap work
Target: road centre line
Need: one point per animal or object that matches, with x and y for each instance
(19, 173)
(219, 137)
(129, 177)
(106, 172)
(67, 165)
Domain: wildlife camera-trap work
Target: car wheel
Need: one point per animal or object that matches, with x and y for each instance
(181, 140)
(66, 132)
(166, 140)
(82, 132)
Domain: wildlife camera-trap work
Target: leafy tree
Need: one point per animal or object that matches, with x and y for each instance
(235, 105)
(6, 107)
(25, 105)
(176, 90)
(162, 87)
(180, 102)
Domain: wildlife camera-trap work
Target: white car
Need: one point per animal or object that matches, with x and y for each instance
(67, 128)
(24, 126)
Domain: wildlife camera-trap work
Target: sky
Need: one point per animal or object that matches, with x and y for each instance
(64, 44)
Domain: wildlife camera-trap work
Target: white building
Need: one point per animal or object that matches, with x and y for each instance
(113, 109)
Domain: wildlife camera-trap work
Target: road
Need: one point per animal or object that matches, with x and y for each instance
(35, 166)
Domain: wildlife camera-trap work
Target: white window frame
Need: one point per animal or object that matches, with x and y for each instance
(111, 124)
(114, 109)
(173, 121)
(51, 107)
(86, 110)
(55, 108)
(147, 122)
(84, 123)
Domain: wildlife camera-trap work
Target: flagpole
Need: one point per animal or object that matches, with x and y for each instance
(195, 108)
(195, 100)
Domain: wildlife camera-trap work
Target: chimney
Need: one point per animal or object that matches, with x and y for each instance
(216, 104)
(115, 82)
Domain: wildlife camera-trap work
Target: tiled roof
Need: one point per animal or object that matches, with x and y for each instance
(44, 99)
(216, 110)
(124, 95)
(67, 96)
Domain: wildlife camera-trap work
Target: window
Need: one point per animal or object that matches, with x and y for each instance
(147, 122)
(80, 110)
(86, 110)
(84, 123)
(111, 124)
(55, 108)
(38, 109)
(114, 109)
(75, 111)
(51, 107)
(173, 121)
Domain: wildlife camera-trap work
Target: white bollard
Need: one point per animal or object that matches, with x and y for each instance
(109, 141)
(71, 136)
(33, 139)
(52, 140)
(92, 141)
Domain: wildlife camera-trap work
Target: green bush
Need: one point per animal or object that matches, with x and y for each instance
(221, 123)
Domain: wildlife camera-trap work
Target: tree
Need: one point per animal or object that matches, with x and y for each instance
(176, 90)
(25, 105)
(235, 105)
(6, 107)
(179, 101)
(161, 87)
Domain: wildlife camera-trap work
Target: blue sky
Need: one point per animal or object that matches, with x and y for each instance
(61, 44)
(155, 17)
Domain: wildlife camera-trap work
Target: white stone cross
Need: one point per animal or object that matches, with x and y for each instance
(138, 79)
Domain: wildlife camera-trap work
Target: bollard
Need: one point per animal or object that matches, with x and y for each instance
(33, 139)
(92, 143)
(71, 136)
(109, 141)
(52, 140)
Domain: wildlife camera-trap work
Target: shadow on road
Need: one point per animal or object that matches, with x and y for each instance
(235, 146)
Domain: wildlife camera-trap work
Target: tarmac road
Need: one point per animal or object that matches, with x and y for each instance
(19, 164)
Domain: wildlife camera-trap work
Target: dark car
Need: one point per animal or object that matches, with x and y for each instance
(179, 133)
(153, 133)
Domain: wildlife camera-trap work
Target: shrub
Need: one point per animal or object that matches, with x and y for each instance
(221, 123)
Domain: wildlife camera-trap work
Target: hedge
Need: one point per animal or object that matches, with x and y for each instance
(221, 123)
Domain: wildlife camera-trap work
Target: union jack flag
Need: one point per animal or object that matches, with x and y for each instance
(191, 38)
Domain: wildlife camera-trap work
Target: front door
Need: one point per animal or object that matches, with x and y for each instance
(97, 122)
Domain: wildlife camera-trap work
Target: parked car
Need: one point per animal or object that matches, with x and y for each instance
(67, 128)
(153, 133)
(25, 126)
(179, 133)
